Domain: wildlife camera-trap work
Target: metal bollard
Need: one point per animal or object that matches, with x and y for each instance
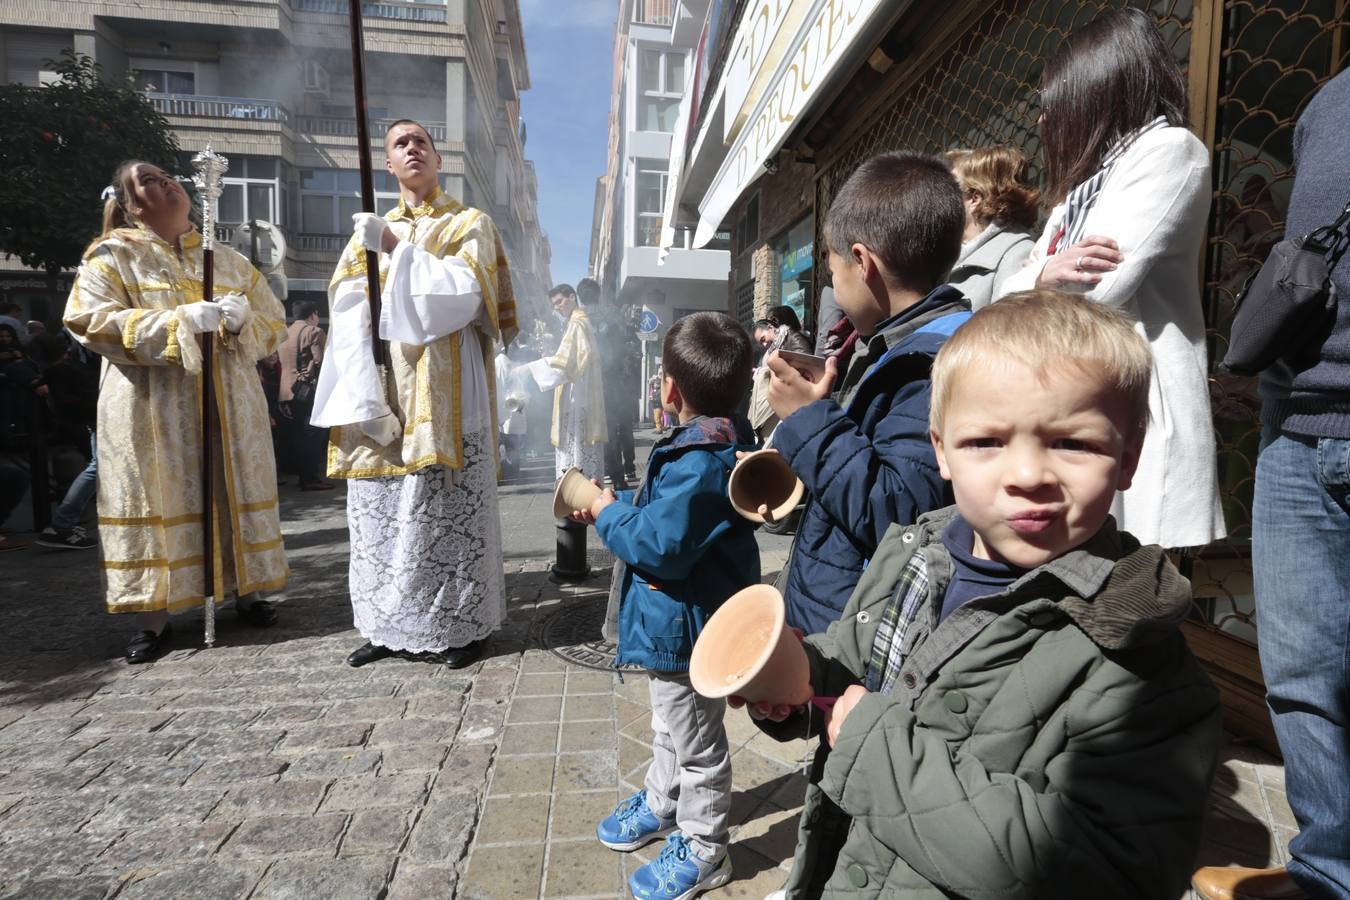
(570, 564)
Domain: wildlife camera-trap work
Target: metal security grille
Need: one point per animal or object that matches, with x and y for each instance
(1257, 65)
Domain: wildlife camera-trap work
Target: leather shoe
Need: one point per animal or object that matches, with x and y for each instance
(1237, 883)
(259, 613)
(368, 653)
(146, 646)
(459, 657)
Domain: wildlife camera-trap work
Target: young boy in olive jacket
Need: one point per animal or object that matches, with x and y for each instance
(1018, 714)
(682, 550)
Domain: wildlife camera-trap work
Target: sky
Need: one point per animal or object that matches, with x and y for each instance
(569, 45)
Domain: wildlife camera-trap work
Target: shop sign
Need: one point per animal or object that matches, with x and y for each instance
(829, 32)
(762, 39)
(796, 261)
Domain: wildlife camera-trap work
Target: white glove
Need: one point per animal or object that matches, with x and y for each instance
(202, 317)
(236, 312)
(383, 430)
(369, 230)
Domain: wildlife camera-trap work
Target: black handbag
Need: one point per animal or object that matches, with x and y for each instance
(1288, 308)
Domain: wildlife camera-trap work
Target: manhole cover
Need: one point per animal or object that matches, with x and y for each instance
(572, 633)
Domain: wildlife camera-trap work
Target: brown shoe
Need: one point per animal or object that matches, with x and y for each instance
(1237, 883)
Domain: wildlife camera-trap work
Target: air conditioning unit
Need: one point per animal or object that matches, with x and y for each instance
(316, 77)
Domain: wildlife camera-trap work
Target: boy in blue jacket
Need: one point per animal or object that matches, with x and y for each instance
(859, 439)
(681, 551)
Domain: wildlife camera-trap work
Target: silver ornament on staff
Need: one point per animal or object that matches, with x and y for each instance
(210, 167)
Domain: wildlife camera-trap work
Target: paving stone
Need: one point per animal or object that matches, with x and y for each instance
(587, 682)
(267, 798)
(88, 887)
(443, 708)
(304, 738)
(772, 833)
(35, 855)
(583, 868)
(47, 754)
(403, 791)
(268, 836)
(226, 772)
(481, 722)
(402, 760)
(42, 730)
(199, 720)
(126, 722)
(414, 882)
(132, 746)
(534, 709)
(118, 776)
(332, 764)
(587, 771)
(540, 684)
(519, 819)
(494, 684)
(502, 873)
(588, 736)
(342, 879)
(200, 881)
(465, 770)
(443, 830)
(522, 775)
(365, 710)
(51, 782)
(291, 714)
(588, 707)
(409, 732)
(535, 738)
(134, 808)
(239, 742)
(46, 814)
(375, 831)
(576, 814)
(151, 848)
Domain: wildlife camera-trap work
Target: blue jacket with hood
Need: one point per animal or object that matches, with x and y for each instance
(867, 464)
(683, 548)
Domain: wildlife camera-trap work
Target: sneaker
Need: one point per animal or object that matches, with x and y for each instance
(66, 539)
(632, 825)
(678, 873)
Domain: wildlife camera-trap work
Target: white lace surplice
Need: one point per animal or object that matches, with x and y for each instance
(572, 449)
(426, 564)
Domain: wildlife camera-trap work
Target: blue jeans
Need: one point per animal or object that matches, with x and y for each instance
(1301, 567)
(80, 492)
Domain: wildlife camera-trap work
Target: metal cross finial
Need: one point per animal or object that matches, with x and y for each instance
(210, 167)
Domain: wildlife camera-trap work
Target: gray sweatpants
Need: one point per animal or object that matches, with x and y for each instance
(690, 774)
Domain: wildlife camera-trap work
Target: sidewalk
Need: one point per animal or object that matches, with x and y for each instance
(267, 768)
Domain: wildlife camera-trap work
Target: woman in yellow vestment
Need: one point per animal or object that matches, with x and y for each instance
(137, 301)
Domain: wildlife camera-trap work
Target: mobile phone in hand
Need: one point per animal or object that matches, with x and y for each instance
(811, 367)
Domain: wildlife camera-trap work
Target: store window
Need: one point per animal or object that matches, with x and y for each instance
(660, 86)
(747, 226)
(795, 251)
(330, 197)
(650, 200)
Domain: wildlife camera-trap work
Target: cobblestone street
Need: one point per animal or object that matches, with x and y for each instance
(266, 767)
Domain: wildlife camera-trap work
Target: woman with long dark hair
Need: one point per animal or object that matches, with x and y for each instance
(1131, 189)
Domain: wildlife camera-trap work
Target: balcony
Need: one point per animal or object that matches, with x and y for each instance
(653, 12)
(403, 12)
(341, 126)
(198, 106)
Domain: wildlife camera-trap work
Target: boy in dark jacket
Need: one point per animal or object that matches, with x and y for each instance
(1018, 714)
(682, 550)
(860, 442)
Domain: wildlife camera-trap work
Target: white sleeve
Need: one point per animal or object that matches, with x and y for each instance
(546, 378)
(349, 388)
(1024, 279)
(426, 298)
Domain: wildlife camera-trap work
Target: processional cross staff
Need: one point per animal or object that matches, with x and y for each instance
(210, 167)
(378, 347)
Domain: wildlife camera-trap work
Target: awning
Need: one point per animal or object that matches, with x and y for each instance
(830, 38)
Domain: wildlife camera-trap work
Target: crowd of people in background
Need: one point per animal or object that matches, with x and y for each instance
(1005, 440)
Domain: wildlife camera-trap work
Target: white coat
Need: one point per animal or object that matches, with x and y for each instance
(1155, 205)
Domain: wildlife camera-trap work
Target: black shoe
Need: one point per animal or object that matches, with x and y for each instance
(66, 539)
(146, 646)
(459, 657)
(259, 613)
(368, 653)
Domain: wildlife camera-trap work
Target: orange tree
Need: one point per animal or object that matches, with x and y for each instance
(59, 144)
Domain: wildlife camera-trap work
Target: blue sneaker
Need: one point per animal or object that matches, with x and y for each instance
(678, 873)
(632, 825)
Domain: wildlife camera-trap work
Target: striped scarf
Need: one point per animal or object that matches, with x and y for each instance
(1082, 198)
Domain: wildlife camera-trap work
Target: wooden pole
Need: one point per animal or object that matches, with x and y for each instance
(210, 168)
(367, 178)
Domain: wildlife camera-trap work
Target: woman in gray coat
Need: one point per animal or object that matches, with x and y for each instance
(1001, 209)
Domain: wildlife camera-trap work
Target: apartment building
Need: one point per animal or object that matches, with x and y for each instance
(268, 83)
(654, 67)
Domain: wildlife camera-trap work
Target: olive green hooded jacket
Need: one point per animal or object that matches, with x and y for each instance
(1053, 741)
